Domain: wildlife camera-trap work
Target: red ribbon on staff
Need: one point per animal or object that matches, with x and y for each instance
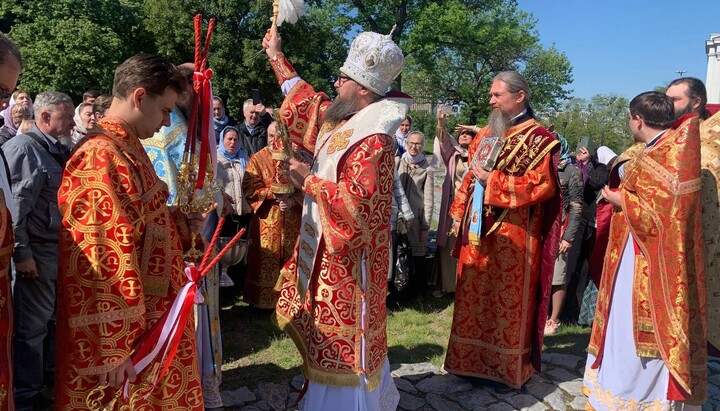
(165, 335)
(202, 100)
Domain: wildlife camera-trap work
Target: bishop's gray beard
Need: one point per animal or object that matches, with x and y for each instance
(340, 109)
(498, 122)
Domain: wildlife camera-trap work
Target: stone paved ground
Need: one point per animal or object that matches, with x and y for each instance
(424, 387)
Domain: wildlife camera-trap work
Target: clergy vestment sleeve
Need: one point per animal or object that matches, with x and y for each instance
(534, 187)
(346, 205)
(303, 107)
(257, 180)
(103, 213)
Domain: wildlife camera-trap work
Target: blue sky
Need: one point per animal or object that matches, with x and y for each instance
(627, 47)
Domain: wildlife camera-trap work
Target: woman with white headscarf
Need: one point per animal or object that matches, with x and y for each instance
(84, 121)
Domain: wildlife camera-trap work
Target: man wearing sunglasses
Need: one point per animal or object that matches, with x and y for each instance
(332, 301)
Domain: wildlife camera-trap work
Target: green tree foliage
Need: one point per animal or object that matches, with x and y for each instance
(315, 45)
(73, 45)
(454, 50)
(603, 117)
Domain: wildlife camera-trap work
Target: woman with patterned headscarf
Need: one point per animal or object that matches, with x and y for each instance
(571, 184)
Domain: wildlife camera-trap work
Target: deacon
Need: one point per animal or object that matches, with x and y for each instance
(648, 344)
(504, 276)
(332, 301)
(274, 227)
(121, 263)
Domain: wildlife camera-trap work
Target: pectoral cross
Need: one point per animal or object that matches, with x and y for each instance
(488, 211)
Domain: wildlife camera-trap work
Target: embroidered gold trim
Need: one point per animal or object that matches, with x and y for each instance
(106, 317)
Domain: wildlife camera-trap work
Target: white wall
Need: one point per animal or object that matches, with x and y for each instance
(712, 82)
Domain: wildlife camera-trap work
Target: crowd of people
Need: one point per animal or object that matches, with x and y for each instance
(337, 197)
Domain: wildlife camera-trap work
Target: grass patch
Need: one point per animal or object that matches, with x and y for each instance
(570, 339)
(254, 350)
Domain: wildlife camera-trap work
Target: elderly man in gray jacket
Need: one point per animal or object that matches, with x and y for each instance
(36, 161)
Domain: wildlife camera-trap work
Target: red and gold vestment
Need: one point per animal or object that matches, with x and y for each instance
(6, 308)
(350, 190)
(121, 266)
(503, 286)
(710, 194)
(661, 209)
(273, 233)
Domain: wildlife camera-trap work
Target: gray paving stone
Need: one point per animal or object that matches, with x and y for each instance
(250, 408)
(572, 387)
(237, 397)
(292, 398)
(443, 384)
(537, 407)
(567, 361)
(556, 400)
(523, 401)
(501, 406)
(410, 402)
(404, 385)
(560, 374)
(579, 403)
(263, 405)
(476, 398)
(273, 394)
(713, 367)
(414, 372)
(714, 379)
(713, 389)
(440, 403)
(298, 381)
(540, 387)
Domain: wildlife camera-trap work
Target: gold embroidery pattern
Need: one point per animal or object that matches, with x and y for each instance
(99, 318)
(339, 141)
(669, 305)
(112, 285)
(337, 294)
(607, 399)
(710, 163)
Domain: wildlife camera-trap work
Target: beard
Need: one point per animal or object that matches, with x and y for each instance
(498, 122)
(685, 110)
(340, 109)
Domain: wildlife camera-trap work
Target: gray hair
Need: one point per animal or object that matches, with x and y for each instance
(515, 83)
(48, 100)
(247, 103)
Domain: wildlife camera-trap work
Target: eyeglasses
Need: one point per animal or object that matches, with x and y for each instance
(341, 79)
(414, 144)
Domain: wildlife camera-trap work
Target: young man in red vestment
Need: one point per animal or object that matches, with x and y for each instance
(10, 67)
(648, 344)
(505, 271)
(332, 301)
(121, 263)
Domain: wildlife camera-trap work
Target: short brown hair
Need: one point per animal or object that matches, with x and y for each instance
(102, 103)
(656, 109)
(153, 73)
